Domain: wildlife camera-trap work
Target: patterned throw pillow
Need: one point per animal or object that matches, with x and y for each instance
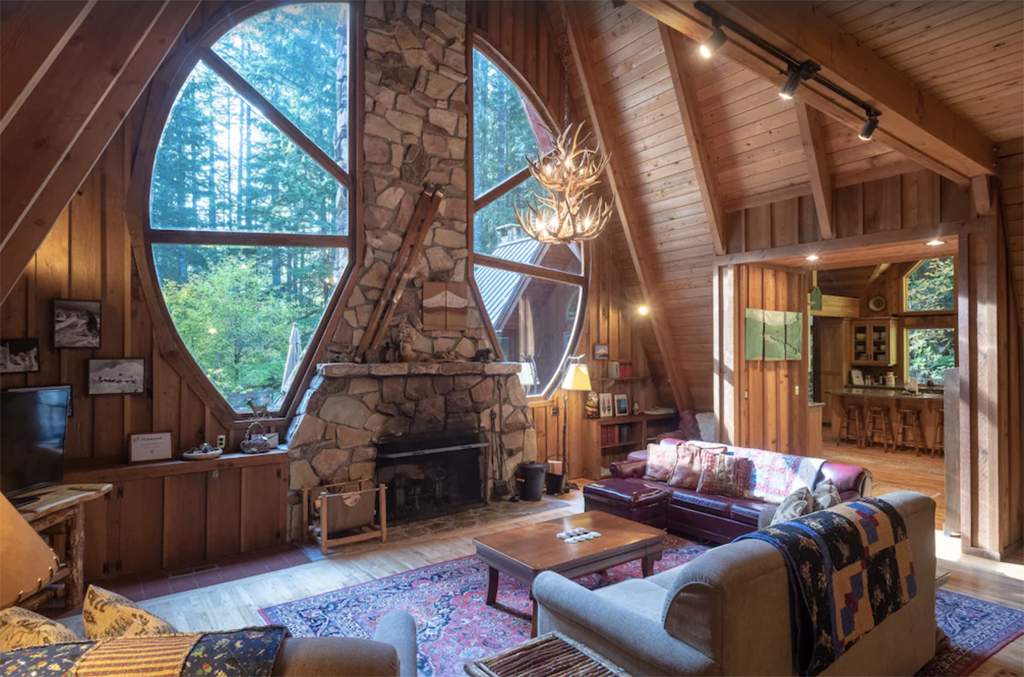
(686, 474)
(21, 628)
(107, 614)
(725, 475)
(661, 461)
(826, 495)
(798, 503)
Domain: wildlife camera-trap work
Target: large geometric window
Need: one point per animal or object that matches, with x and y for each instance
(531, 291)
(930, 286)
(930, 339)
(250, 199)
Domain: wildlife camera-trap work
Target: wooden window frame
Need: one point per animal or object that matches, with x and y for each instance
(476, 42)
(169, 80)
(904, 311)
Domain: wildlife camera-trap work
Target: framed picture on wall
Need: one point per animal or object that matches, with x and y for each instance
(19, 356)
(622, 405)
(117, 377)
(601, 351)
(605, 405)
(76, 324)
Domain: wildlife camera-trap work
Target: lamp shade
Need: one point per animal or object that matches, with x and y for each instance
(27, 564)
(577, 377)
(527, 375)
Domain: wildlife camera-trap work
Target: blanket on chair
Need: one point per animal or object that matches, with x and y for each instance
(849, 568)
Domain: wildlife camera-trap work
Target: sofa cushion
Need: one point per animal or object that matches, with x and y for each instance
(826, 495)
(747, 510)
(686, 474)
(725, 475)
(797, 504)
(21, 628)
(107, 614)
(636, 594)
(712, 505)
(661, 460)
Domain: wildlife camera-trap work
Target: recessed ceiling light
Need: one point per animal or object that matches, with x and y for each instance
(813, 257)
(935, 243)
(643, 310)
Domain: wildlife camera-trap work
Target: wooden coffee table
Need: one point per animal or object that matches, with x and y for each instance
(524, 552)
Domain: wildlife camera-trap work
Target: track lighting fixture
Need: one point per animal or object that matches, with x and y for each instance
(794, 76)
(870, 125)
(714, 42)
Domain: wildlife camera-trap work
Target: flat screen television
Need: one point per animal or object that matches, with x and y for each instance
(33, 425)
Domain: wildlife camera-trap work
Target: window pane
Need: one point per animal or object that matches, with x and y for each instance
(222, 166)
(496, 232)
(239, 309)
(502, 135)
(930, 286)
(297, 58)
(931, 352)
(533, 319)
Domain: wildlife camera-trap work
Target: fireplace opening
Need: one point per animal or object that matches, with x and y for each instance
(431, 475)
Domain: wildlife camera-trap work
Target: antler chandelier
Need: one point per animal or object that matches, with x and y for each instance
(568, 174)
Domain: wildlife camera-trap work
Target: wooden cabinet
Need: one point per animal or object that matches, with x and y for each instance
(174, 515)
(607, 440)
(874, 342)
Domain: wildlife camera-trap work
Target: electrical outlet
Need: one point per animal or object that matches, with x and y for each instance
(797, 390)
(222, 441)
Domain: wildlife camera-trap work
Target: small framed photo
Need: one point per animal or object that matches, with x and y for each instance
(150, 447)
(117, 377)
(71, 394)
(601, 351)
(857, 377)
(622, 405)
(76, 324)
(19, 356)
(605, 405)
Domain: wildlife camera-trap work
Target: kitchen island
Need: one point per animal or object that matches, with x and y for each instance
(929, 403)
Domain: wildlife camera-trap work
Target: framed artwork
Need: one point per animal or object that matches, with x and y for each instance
(622, 405)
(71, 394)
(76, 324)
(774, 335)
(794, 335)
(605, 405)
(753, 334)
(19, 356)
(857, 377)
(117, 377)
(149, 447)
(601, 351)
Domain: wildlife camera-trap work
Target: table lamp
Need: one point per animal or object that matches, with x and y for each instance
(27, 564)
(577, 377)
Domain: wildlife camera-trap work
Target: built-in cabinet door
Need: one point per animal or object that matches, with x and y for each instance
(223, 512)
(263, 505)
(96, 532)
(184, 520)
(140, 518)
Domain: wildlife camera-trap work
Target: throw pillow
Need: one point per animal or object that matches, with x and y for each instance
(725, 475)
(826, 495)
(686, 474)
(107, 614)
(798, 503)
(661, 461)
(21, 628)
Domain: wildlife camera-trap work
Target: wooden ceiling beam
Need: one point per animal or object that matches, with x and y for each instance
(83, 131)
(677, 47)
(810, 123)
(913, 122)
(601, 121)
(878, 271)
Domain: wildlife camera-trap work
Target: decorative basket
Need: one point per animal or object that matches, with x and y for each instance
(255, 442)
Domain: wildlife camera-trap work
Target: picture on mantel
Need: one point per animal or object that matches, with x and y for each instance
(445, 306)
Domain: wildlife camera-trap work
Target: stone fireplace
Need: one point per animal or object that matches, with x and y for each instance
(349, 408)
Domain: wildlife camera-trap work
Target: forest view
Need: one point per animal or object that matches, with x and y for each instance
(222, 166)
(931, 351)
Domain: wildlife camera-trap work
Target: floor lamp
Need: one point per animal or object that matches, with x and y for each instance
(577, 377)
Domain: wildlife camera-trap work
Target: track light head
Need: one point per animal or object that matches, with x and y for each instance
(870, 125)
(713, 43)
(792, 82)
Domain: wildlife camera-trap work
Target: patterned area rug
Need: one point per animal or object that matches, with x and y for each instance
(455, 626)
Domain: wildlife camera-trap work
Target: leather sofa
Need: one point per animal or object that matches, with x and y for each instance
(719, 519)
(727, 612)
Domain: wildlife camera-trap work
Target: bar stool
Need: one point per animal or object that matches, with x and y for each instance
(940, 433)
(851, 417)
(879, 422)
(909, 421)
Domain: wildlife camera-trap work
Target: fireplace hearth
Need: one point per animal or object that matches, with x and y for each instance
(432, 475)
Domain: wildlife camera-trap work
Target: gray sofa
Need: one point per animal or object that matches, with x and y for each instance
(391, 653)
(727, 613)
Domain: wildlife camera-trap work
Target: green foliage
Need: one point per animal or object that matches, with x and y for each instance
(931, 352)
(930, 286)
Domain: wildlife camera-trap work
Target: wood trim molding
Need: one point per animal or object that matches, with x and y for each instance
(244, 239)
(928, 134)
(810, 123)
(531, 270)
(601, 121)
(675, 45)
(501, 189)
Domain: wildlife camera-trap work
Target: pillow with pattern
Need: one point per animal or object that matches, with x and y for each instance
(826, 495)
(107, 614)
(686, 474)
(21, 628)
(661, 461)
(797, 504)
(725, 475)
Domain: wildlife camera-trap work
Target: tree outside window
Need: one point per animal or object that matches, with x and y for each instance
(930, 350)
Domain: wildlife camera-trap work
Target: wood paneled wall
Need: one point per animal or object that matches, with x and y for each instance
(1011, 169)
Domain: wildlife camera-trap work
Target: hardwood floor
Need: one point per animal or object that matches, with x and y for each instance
(235, 604)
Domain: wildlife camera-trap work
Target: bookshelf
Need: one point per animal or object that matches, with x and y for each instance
(607, 440)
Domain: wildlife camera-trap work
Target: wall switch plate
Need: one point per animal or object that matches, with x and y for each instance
(797, 390)
(222, 441)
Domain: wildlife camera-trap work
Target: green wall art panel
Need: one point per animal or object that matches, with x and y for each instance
(774, 335)
(794, 335)
(754, 334)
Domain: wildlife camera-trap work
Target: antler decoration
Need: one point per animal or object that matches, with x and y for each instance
(568, 174)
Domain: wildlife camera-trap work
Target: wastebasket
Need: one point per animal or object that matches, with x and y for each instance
(530, 481)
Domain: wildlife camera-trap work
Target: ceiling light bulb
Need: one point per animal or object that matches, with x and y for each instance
(792, 82)
(870, 125)
(711, 45)
(935, 243)
(642, 310)
(548, 169)
(212, 330)
(813, 257)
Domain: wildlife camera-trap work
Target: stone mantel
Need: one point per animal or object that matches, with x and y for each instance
(382, 370)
